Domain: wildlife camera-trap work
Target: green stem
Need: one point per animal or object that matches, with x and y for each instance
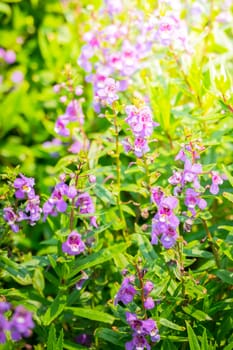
(118, 175)
(181, 263)
(73, 201)
(212, 244)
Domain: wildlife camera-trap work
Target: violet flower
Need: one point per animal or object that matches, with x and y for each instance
(126, 292)
(74, 244)
(21, 324)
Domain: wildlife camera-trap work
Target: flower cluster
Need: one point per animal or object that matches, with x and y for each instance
(171, 31)
(190, 176)
(57, 201)
(20, 325)
(126, 294)
(141, 329)
(165, 222)
(62, 192)
(29, 209)
(73, 113)
(142, 125)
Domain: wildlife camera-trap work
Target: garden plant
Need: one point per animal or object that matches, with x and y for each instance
(116, 174)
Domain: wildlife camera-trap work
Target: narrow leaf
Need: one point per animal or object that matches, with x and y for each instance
(193, 341)
(171, 325)
(91, 314)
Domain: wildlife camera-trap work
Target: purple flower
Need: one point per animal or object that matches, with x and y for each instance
(17, 77)
(140, 147)
(4, 307)
(126, 292)
(149, 303)
(166, 207)
(24, 185)
(84, 339)
(4, 326)
(165, 223)
(82, 280)
(138, 342)
(33, 208)
(60, 126)
(191, 172)
(192, 198)
(156, 195)
(113, 7)
(148, 287)
(216, 181)
(140, 121)
(144, 327)
(10, 217)
(86, 206)
(107, 91)
(10, 56)
(74, 244)
(176, 178)
(21, 324)
(74, 112)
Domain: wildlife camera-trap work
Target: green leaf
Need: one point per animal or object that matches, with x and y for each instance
(204, 341)
(98, 258)
(228, 196)
(60, 341)
(104, 195)
(4, 8)
(198, 314)
(38, 280)
(170, 324)
(193, 341)
(195, 252)
(225, 276)
(19, 274)
(228, 174)
(91, 314)
(111, 336)
(51, 345)
(55, 309)
(68, 345)
(145, 246)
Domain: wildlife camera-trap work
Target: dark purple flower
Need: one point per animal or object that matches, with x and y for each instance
(126, 292)
(81, 281)
(74, 244)
(138, 342)
(21, 324)
(142, 327)
(84, 339)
